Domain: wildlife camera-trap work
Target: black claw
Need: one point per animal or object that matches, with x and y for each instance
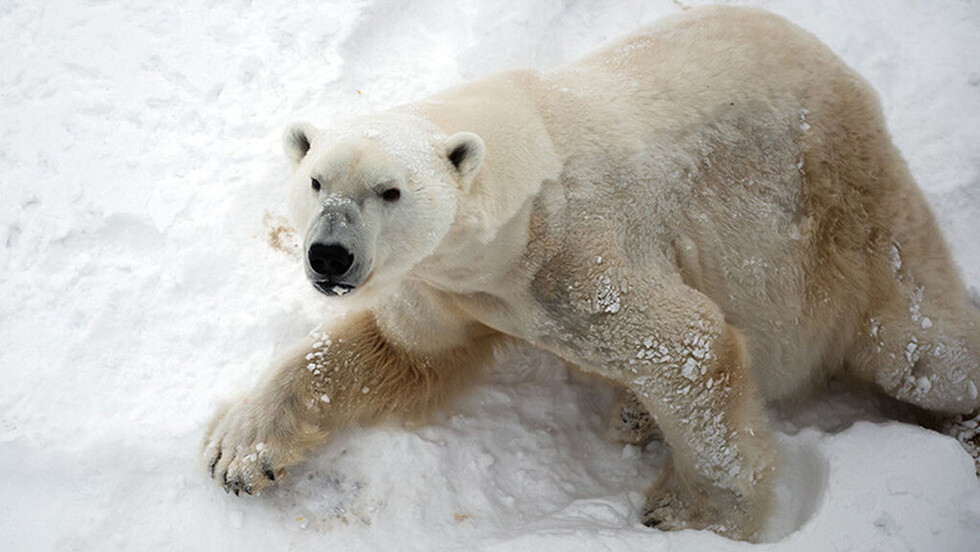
(652, 522)
(650, 518)
(224, 482)
(236, 489)
(269, 473)
(214, 463)
(248, 489)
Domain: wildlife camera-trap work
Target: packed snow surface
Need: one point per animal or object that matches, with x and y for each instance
(147, 274)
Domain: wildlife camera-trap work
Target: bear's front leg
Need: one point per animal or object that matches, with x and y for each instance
(252, 440)
(724, 460)
(351, 374)
(670, 345)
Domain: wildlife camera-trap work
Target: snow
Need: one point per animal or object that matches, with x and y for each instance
(146, 278)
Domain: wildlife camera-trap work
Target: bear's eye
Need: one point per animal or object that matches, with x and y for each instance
(391, 195)
(315, 184)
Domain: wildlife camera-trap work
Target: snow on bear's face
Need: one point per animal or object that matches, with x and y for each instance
(375, 198)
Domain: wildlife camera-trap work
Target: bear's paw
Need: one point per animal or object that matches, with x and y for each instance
(247, 449)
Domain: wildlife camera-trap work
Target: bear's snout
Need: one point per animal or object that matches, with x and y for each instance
(337, 259)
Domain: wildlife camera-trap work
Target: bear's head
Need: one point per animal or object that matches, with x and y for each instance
(376, 198)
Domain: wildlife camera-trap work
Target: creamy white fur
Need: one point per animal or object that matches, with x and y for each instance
(709, 213)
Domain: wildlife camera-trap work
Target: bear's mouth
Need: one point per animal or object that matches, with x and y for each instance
(332, 289)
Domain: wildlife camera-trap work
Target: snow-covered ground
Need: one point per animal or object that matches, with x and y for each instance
(142, 186)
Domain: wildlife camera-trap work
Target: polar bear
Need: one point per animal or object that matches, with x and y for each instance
(709, 213)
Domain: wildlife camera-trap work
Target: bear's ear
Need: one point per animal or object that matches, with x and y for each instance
(466, 151)
(297, 140)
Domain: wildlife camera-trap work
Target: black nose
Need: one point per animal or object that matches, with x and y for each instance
(330, 260)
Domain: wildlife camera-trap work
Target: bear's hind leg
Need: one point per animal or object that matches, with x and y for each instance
(922, 344)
